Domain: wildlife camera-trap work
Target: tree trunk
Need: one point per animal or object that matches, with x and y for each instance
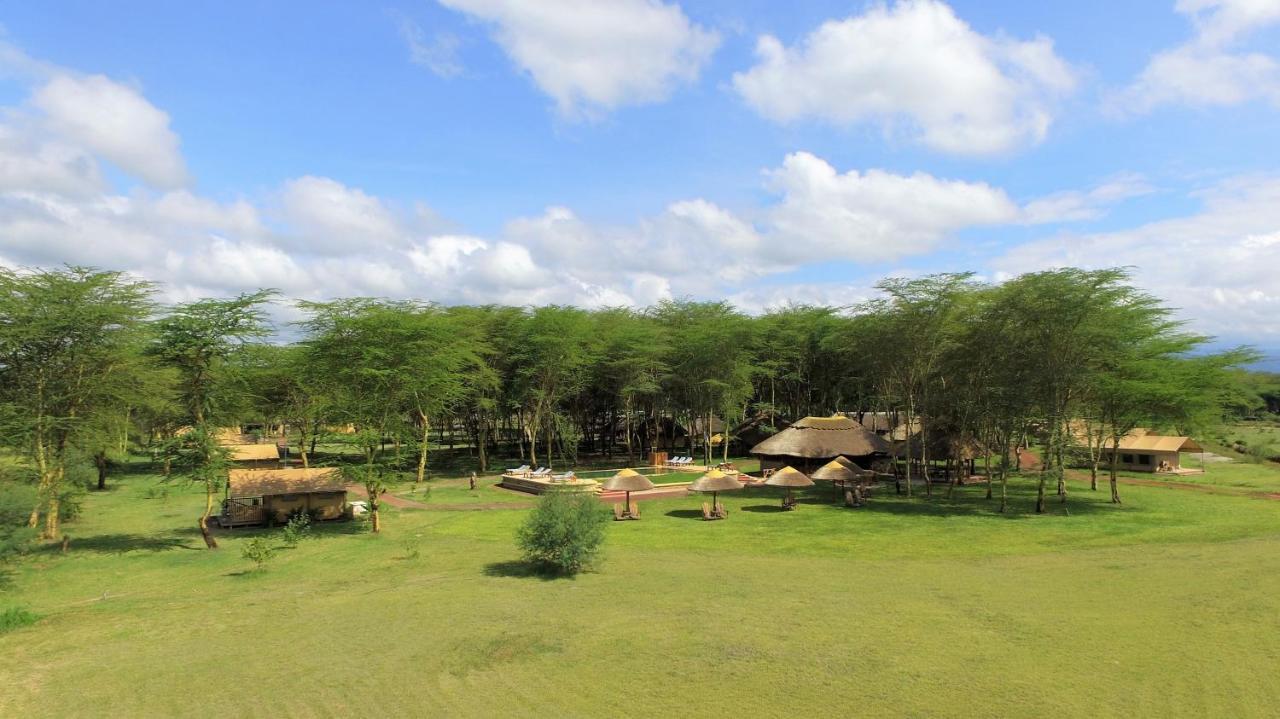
(1115, 458)
(100, 461)
(422, 452)
(209, 541)
(374, 519)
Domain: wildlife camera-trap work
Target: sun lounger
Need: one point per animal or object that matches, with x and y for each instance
(706, 512)
(540, 472)
(562, 477)
(634, 510)
(522, 469)
(720, 512)
(618, 514)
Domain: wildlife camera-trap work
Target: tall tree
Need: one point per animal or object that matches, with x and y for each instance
(198, 340)
(68, 342)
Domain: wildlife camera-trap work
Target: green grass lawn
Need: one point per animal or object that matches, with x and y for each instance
(1168, 605)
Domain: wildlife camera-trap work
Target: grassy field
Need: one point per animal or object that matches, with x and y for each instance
(1168, 605)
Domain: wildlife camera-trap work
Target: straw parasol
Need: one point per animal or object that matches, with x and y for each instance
(715, 482)
(834, 471)
(628, 480)
(847, 462)
(790, 478)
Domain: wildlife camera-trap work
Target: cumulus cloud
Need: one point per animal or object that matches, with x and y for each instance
(1218, 264)
(115, 122)
(915, 64)
(872, 215)
(596, 56)
(1214, 67)
(331, 218)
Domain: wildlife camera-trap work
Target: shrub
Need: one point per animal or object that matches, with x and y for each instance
(564, 532)
(259, 551)
(16, 618)
(298, 528)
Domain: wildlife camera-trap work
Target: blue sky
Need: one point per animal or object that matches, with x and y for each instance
(621, 152)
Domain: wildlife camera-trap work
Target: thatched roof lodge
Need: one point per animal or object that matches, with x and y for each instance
(256, 496)
(256, 456)
(814, 441)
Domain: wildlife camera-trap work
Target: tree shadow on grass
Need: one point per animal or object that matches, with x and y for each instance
(521, 569)
(969, 503)
(121, 543)
(685, 513)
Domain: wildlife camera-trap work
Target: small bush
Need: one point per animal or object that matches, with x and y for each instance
(16, 618)
(564, 532)
(259, 551)
(297, 529)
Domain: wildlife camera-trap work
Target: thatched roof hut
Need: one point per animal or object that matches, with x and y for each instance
(940, 445)
(262, 456)
(814, 441)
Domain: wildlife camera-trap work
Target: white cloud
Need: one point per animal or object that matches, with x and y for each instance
(594, 56)
(439, 53)
(115, 122)
(956, 89)
(331, 218)
(1211, 68)
(1218, 265)
(34, 163)
(873, 215)
(1074, 205)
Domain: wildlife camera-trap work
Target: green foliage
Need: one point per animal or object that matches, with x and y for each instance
(16, 618)
(16, 501)
(564, 532)
(258, 550)
(297, 529)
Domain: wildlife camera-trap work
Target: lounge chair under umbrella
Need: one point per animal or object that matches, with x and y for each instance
(628, 480)
(790, 478)
(715, 482)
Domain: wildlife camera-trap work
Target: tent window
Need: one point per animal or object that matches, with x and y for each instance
(1126, 458)
(1144, 459)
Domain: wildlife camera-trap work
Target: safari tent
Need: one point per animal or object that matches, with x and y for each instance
(1142, 451)
(258, 496)
(814, 441)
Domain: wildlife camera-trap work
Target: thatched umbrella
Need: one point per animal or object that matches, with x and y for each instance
(845, 461)
(834, 471)
(790, 478)
(715, 482)
(628, 480)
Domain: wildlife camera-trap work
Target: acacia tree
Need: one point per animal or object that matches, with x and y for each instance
(710, 367)
(198, 340)
(68, 342)
(551, 361)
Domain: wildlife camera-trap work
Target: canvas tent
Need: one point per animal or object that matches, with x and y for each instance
(1141, 451)
(814, 441)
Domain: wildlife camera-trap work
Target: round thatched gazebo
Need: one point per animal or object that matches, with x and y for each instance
(814, 441)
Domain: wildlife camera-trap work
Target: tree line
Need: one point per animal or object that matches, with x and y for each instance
(91, 365)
